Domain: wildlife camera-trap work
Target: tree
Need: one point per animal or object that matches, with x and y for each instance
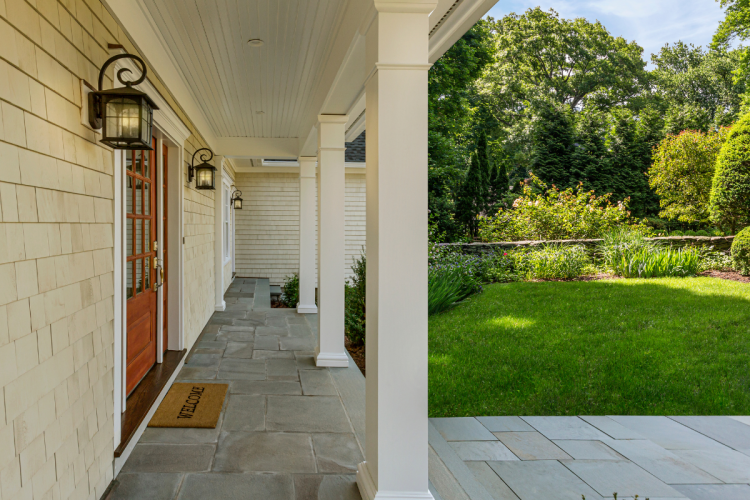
(683, 171)
(730, 190)
(472, 195)
(735, 26)
(553, 137)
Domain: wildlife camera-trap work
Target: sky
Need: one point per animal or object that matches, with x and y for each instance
(651, 23)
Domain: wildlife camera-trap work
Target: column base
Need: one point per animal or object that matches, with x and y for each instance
(369, 491)
(331, 359)
(221, 306)
(302, 309)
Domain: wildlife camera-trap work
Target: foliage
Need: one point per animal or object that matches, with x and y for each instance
(290, 298)
(554, 262)
(620, 244)
(472, 195)
(658, 262)
(730, 192)
(682, 173)
(736, 25)
(664, 346)
(447, 286)
(741, 251)
(712, 260)
(551, 214)
(355, 312)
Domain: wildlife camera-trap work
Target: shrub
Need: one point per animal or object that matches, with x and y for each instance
(620, 245)
(690, 233)
(448, 285)
(553, 215)
(741, 251)
(290, 298)
(657, 262)
(355, 311)
(554, 262)
(682, 172)
(730, 192)
(676, 233)
(711, 260)
(702, 233)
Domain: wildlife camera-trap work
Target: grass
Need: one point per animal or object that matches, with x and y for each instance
(666, 346)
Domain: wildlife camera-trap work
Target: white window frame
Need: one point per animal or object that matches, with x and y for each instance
(226, 217)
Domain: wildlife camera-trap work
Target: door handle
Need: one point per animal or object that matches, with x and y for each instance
(161, 276)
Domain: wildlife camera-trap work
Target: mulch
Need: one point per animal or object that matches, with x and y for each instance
(358, 354)
(726, 275)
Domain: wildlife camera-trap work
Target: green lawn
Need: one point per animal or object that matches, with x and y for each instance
(666, 346)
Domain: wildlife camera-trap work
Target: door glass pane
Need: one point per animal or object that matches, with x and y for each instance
(129, 160)
(129, 237)
(138, 196)
(129, 195)
(138, 236)
(129, 280)
(147, 198)
(146, 164)
(147, 236)
(138, 276)
(138, 161)
(147, 275)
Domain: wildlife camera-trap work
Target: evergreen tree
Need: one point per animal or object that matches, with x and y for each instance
(730, 192)
(472, 195)
(591, 163)
(553, 140)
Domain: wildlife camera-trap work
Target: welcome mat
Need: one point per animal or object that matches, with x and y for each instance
(190, 405)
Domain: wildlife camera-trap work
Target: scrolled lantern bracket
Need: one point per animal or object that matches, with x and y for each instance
(204, 173)
(124, 114)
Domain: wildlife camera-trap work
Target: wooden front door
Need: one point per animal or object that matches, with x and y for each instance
(141, 253)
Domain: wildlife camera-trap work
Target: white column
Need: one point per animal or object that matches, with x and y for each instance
(331, 193)
(396, 424)
(307, 242)
(219, 235)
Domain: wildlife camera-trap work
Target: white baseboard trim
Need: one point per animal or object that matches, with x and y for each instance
(120, 461)
(221, 307)
(302, 309)
(332, 359)
(369, 491)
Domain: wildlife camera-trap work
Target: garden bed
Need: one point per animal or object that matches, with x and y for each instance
(727, 275)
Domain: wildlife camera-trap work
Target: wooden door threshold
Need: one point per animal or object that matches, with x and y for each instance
(142, 398)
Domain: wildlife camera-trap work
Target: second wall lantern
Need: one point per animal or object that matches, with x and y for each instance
(204, 173)
(124, 114)
(237, 199)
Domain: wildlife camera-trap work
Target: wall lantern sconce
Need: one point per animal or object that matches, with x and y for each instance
(205, 174)
(237, 199)
(124, 114)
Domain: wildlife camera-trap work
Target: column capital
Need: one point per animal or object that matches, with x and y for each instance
(307, 166)
(406, 6)
(333, 118)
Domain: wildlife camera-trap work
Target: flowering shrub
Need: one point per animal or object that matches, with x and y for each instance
(554, 215)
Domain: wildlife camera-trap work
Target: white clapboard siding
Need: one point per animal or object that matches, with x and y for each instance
(267, 227)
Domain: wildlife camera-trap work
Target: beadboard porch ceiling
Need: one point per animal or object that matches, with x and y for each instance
(263, 101)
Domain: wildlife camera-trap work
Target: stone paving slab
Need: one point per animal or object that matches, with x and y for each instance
(237, 487)
(667, 433)
(337, 453)
(245, 413)
(170, 458)
(326, 487)
(267, 342)
(662, 463)
(266, 387)
(564, 428)
(242, 369)
(491, 481)
(264, 452)
(306, 414)
(608, 426)
(151, 486)
(714, 491)
(505, 424)
(727, 465)
(588, 450)
(482, 450)
(531, 446)
(722, 429)
(542, 480)
(317, 383)
(621, 477)
(462, 429)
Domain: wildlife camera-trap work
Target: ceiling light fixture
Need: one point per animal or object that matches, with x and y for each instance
(255, 42)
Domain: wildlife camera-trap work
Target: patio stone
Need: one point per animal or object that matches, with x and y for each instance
(714, 491)
(271, 330)
(152, 486)
(267, 343)
(300, 330)
(612, 428)
(282, 369)
(443, 480)
(462, 429)
(175, 435)
(491, 481)
(305, 360)
(505, 424)
(277, 322)
(245, 413)
(266, 387)
(219, 320)
(306, 414)
(170, 458)
(727, 465)
(212, 344)
(237, 487)
(201, 350)
(204, 361)
(326, 487)
(239, 350)
(241, 328)
(621, 477)
(588, 450)
(482, 450)
(722, 429)
(209, 329)
(531, 446)
(667, 433)
(744, 420)
(317, 383)
(264, 452)
(196, 373)
(237, 336)
(242, 369)
(564, 428)
(298, 343)
(337, 453)
(663, 464)
(541, 480)
(261, 354)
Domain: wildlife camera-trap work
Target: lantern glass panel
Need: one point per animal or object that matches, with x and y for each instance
(238, 203)
(146, 121)
(122, 119)
(204, 178)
